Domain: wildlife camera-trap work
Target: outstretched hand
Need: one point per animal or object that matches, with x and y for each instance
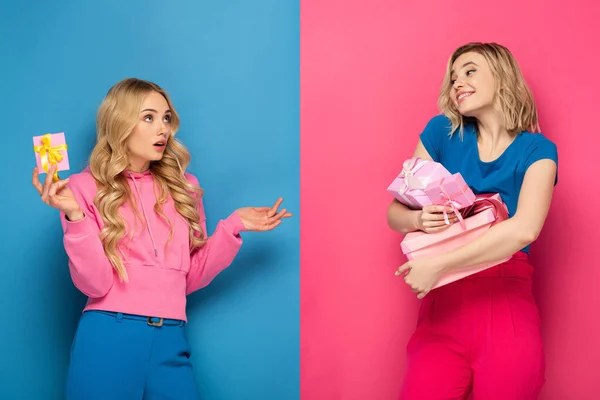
(260, 219)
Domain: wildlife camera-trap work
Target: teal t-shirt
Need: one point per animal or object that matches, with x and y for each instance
(503, 175)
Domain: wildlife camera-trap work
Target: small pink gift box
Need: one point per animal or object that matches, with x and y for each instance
(409, 186)
(49, 149)
(485, 211)
(453, 192)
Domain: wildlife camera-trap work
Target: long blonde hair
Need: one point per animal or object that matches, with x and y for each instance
(513, 99)
(117, 116)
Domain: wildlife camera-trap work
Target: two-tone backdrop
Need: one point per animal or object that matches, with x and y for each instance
(371, 73)
(321, 115)
(232, 70)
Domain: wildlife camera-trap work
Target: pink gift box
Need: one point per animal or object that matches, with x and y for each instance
(409, 186)
(452, 191)
(485, 211)
(49, 149)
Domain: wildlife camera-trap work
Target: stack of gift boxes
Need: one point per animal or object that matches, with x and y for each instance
(422, 183)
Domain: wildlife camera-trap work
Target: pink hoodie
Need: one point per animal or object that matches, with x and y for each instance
(159, 277)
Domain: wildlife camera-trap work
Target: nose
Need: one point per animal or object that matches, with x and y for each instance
(164, 129)
(457, 84)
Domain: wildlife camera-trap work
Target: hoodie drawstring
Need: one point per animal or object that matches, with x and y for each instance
(144, 212)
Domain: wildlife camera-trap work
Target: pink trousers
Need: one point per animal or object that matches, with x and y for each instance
(479, 336)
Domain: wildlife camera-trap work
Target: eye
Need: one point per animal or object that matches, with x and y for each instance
(469, 72)
(148, 118)
(167, 118)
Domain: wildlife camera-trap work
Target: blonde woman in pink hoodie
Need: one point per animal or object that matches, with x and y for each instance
(135, 234)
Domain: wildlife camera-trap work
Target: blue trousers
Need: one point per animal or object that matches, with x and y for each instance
(124, 357)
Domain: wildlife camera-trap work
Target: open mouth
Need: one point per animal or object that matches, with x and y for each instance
(160, 143)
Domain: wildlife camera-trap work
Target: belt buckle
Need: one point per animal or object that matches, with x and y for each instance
(159, 323)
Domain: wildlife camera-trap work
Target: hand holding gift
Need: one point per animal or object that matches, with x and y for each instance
(425, 250)
(421, 275)
(432, 219)
(452, 192)
(51, 157)
(57, 194)
(428, 186)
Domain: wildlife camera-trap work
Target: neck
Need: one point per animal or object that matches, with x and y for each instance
(139, 168)
(490, 129)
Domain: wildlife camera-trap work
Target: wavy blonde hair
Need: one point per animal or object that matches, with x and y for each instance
(513, 99)
(117, 117)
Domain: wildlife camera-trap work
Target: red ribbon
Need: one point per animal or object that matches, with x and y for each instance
(485, 202)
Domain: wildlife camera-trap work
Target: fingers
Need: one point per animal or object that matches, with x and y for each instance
(49, 189)
(279, 216)
(56, 187)
(35, 180)
(432, 223)
(437, 229)
(436, 209)
(436, 224)
(437, 216)
(431, 227)
(48, 183)
(422, 294)
(402, 270)
(275, 207)
(415, 288)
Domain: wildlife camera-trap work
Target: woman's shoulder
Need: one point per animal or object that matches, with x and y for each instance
(440, 126)
(537, 142)
(537, 138)
(192, 179)
(83, 185)
(440, 123)
(83, 180)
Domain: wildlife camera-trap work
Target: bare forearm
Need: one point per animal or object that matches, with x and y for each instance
(499, 242)
(401, 218)
(75, 216)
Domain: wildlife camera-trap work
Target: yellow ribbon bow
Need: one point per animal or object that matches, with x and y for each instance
(49, 154)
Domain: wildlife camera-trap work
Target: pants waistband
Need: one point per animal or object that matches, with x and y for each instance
(517, 266)
(152, 321)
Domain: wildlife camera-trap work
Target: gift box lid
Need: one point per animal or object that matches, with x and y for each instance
(417, 174)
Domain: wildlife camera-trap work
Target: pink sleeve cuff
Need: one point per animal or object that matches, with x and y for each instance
(234, 224)
(78, 228)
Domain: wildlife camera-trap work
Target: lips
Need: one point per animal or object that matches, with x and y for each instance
(160, 143)
(463, 95)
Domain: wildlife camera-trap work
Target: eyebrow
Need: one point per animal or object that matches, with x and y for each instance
(465, 64)
(153, 110)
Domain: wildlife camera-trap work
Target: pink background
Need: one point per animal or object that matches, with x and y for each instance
(370, 75)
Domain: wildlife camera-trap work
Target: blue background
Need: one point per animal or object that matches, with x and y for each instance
(232, 70)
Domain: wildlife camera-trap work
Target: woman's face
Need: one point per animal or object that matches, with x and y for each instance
(148, 139)
(473, 85)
